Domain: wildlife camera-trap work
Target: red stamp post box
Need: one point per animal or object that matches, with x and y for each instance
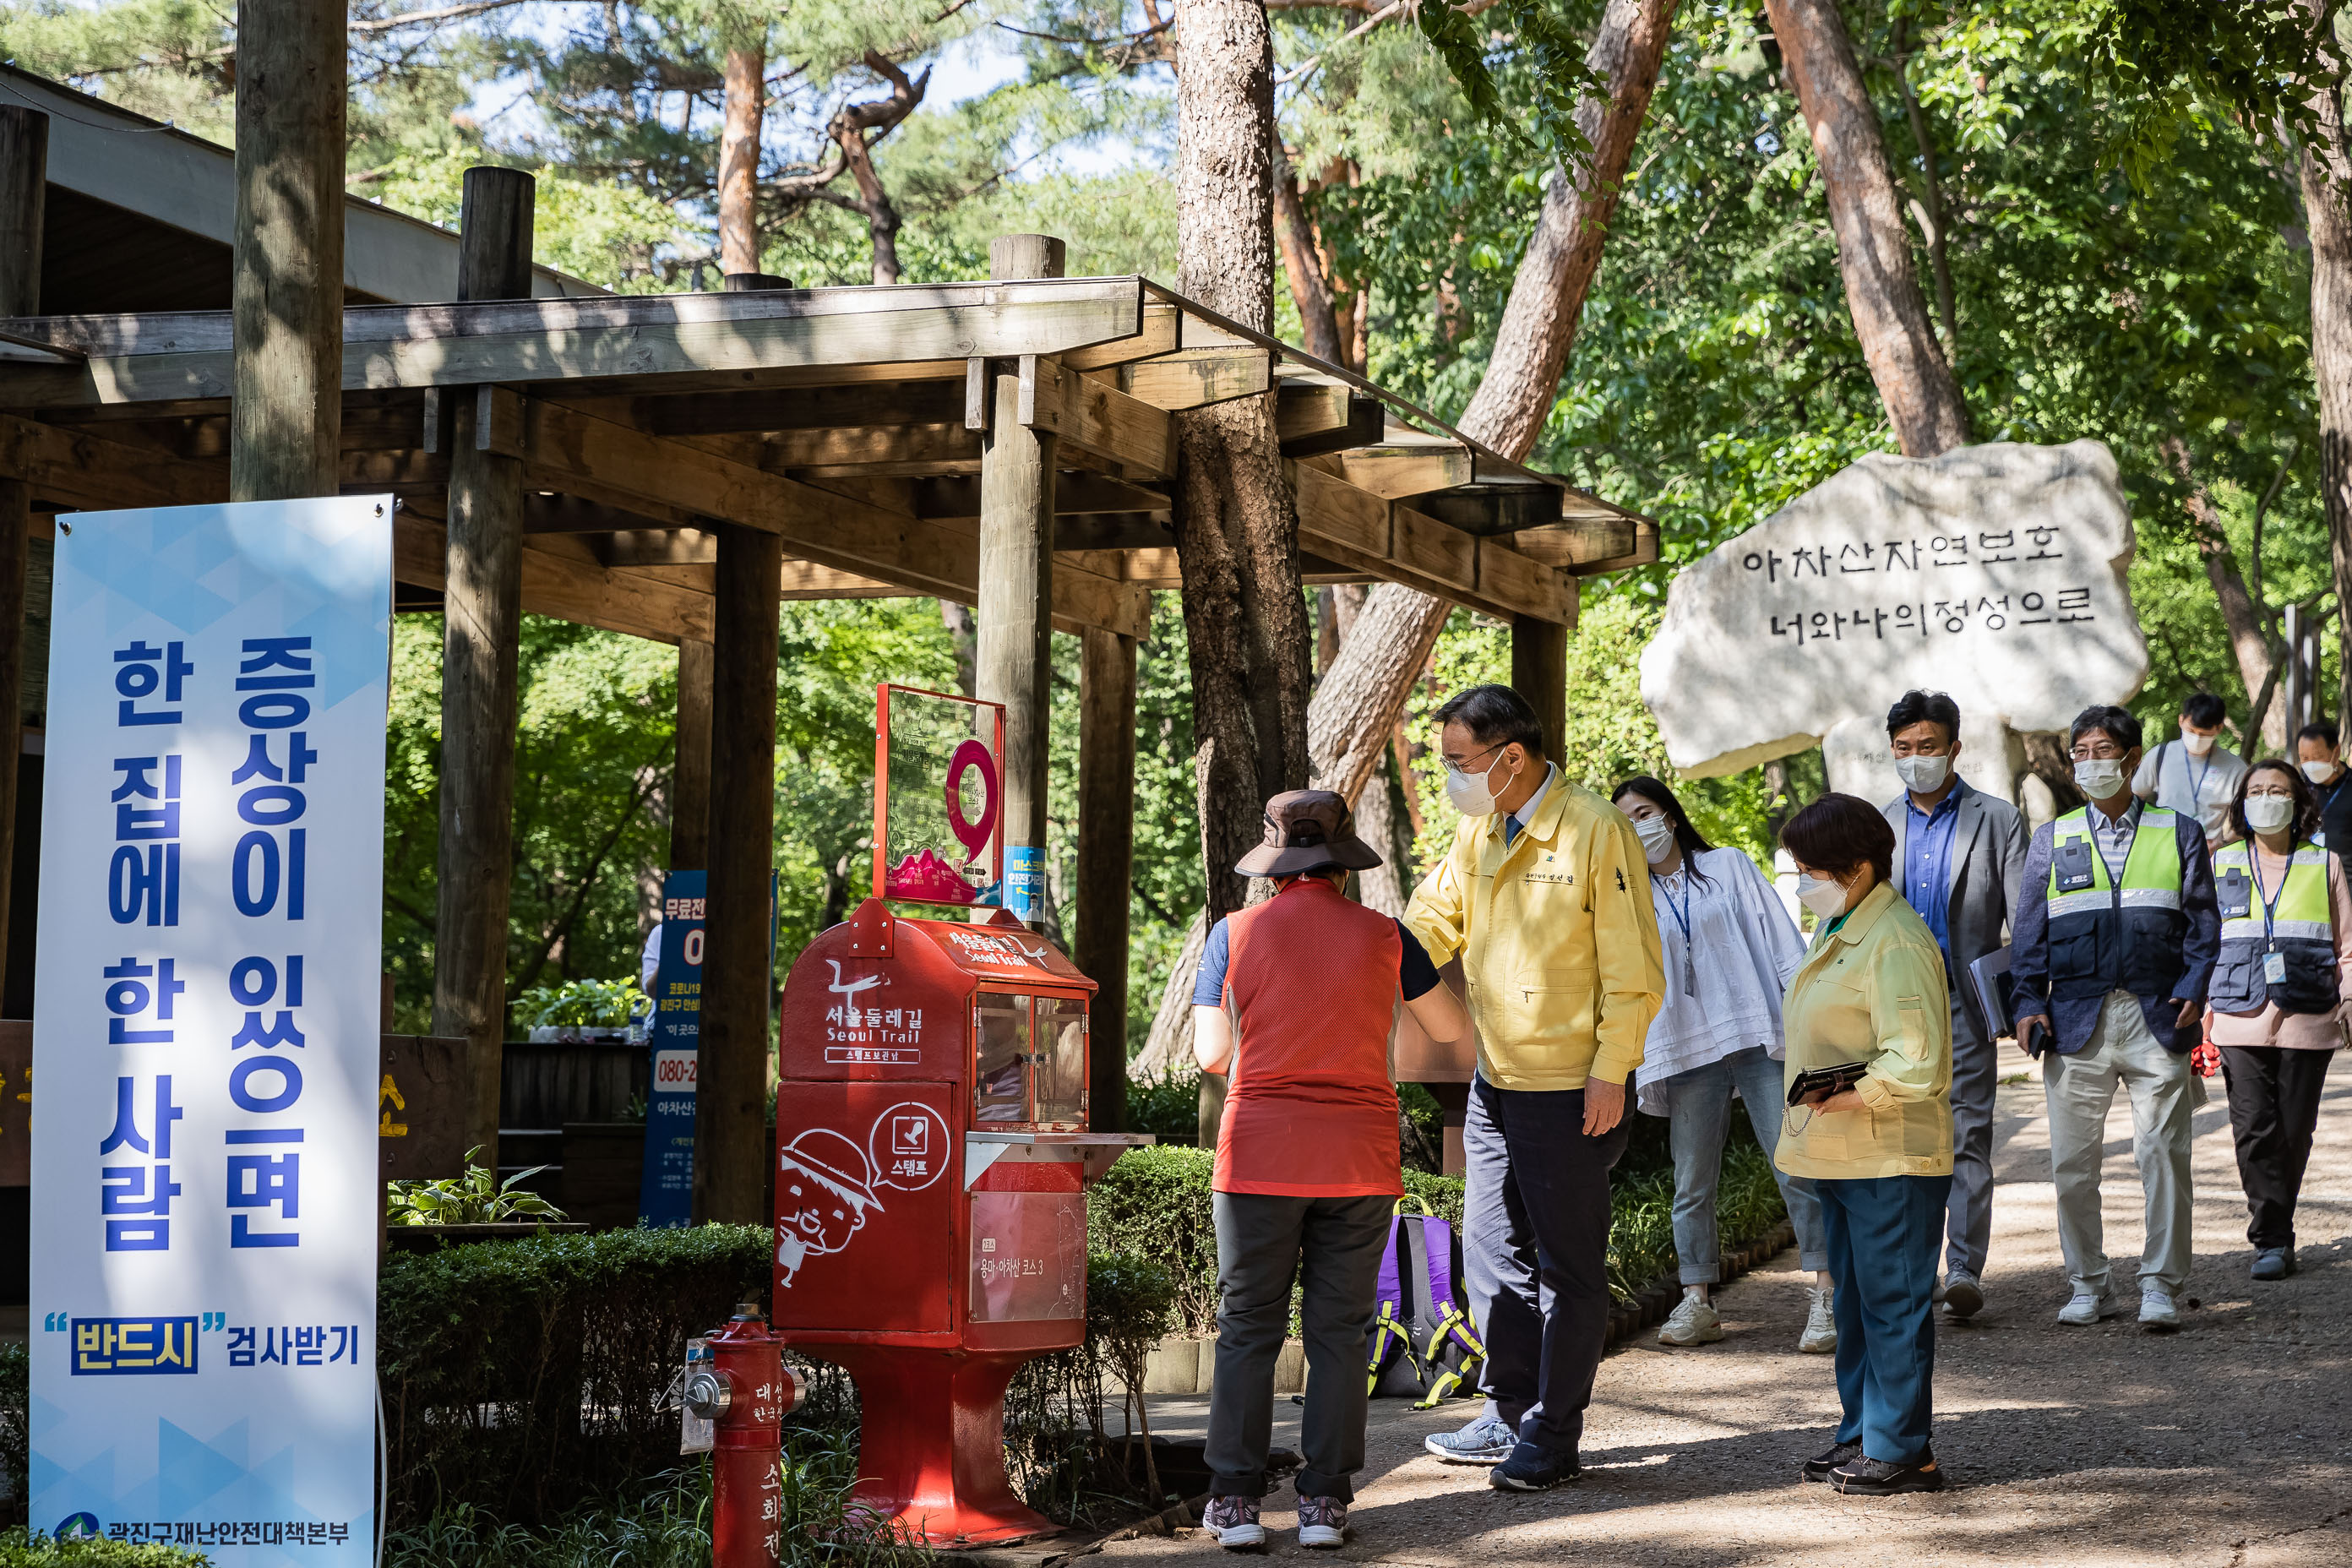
(932, 1144)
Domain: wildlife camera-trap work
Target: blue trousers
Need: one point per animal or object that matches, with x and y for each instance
(1698, 1110)
(1535, 1246)
(1885, 1232)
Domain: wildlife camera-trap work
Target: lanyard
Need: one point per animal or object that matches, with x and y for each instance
(2270, 901)
(1682, 920)
(2196, 780)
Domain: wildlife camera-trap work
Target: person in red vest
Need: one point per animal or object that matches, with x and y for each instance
(1293, 1002)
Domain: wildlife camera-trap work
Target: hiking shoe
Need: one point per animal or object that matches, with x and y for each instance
(1322, 1521)
(1693, 1321)
(1963, 1295)
(1486, 1441)
(2084, 1309)
(1819, 1467)
(2157, 1315)
(1884, 1477)
(2274, 1263)
(1233, 1520)
(1819, 1337)
(1533, 1469)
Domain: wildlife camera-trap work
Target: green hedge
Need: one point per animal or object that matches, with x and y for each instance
(18, 1549)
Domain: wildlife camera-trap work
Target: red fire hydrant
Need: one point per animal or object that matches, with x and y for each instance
(746, 1392)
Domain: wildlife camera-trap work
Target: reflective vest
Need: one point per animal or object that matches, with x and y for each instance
(2299, 930)
(2107, 935)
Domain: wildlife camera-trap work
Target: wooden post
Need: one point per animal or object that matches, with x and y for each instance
(481, 635)
(1106, 859)
(1014, 660)
(730, 1123)
(690, 780)
(24, 194)
(1540, 674)
(286, 396)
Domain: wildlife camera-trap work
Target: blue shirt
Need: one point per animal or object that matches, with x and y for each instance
(1927, 864)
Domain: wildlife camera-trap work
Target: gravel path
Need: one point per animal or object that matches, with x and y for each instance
(2229, 1444)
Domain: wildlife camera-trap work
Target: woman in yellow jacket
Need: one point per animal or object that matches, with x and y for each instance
(1870, 995)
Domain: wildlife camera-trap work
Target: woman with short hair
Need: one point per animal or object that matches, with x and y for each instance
(1729, 948)
(1869, 1073)
(2277, 1006)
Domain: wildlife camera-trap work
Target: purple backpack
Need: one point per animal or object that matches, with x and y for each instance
(1424, 1344)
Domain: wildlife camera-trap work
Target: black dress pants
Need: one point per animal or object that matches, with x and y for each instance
(2274, 1106)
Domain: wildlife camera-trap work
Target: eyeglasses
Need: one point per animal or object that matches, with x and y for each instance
(1464, 766)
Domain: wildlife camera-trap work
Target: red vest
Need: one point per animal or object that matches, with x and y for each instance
(1310, 1109)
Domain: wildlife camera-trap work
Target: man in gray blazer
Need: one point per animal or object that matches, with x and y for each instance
(1959, 854)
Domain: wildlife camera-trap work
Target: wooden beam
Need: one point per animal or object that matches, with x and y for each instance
(1494, 509)
(280, 361)
(567, 590)
(1093, 417)
(884, 404)
(1105, 862)
(1578, 545)
(1076, 492)
(480, 656)
(1193, 377)
(1540, 674)
(647, 342)
(1395, 473)
(690, 782)
(24, 189)
(1312, 418)
(84, 471)
(1162, 333)
(1358, 530)
(730, 1140)
(947, 448)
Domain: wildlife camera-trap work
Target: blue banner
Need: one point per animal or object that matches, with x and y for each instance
(666, 1202)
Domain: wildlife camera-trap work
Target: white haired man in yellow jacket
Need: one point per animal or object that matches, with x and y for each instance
(1546, 897)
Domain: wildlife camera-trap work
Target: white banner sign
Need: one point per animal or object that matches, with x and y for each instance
(205, 1030)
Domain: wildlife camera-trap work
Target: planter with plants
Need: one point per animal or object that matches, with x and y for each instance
(476, 1206)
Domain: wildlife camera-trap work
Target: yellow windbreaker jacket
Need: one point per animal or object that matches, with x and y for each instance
(1557, 937)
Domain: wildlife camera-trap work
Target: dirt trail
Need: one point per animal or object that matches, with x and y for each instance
(2229, 1444)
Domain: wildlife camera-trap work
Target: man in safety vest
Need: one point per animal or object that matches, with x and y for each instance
(2110, 947)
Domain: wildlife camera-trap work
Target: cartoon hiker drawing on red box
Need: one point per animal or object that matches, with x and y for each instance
(824, 1185)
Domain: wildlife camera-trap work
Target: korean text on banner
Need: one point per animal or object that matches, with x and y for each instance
(204, 1190)
(665, 1198)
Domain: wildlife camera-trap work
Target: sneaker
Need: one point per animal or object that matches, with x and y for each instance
(1884, 1477)
(1486, 1441)
(2157, 1315)
(1322, 1521)
(1234, 1521)
(1693, 1321)
(2274, 1263)
(1819, 1467)
(2084, 1309)
(1819, 1337)
(1963, 1295)
(1533, 1469)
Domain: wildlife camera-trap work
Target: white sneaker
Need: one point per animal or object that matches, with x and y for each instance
(1693, 1321)
(2084, 1309)
(2157, 1315)
(1819, 1337)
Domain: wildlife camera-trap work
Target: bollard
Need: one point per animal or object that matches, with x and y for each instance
(747, 1391)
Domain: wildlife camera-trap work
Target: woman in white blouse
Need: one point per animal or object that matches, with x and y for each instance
(1730, 948)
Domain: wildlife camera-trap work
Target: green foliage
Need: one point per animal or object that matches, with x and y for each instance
(19, 1548)
(1130, 1302)
(1546, 46)
(477, 1198)
(1168, 1106)
(16, 1406)
(579, 1003)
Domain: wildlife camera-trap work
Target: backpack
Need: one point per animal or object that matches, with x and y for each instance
(1424, 1344)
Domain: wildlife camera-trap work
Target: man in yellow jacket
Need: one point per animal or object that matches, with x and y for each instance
(1546, 898)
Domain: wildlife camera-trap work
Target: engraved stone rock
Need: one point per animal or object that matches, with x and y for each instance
(1993, 573)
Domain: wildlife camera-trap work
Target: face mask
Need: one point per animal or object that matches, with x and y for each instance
(2269, 813)
(1468, 792)
(2319, 773)
(2195, 746)
(2099, 779)
(1824, 898)
(1657, 833)
(1923, 775)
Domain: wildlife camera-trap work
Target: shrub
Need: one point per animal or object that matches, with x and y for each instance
(16, 1438)
(477, 1198)
(578, 1004)
(1168, 1106)
(19, 1550)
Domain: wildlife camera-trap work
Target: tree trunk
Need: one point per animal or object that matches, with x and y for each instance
(2326, 176)
(738, 162)
(1309, 290)
(1882, 285)
(2243, 617)
(1236, 525)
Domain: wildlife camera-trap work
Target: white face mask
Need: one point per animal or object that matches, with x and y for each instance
(2099, 778)
(2195, 746)
(2319, 773)
(1657, 835)
(1469, 792)
(2269, 813)
(1923, 775)
(1825, 897)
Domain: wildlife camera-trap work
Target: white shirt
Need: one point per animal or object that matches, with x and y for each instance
(1526, 813)
(1746, 950)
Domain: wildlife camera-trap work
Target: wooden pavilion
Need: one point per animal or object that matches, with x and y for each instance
(672, 467)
